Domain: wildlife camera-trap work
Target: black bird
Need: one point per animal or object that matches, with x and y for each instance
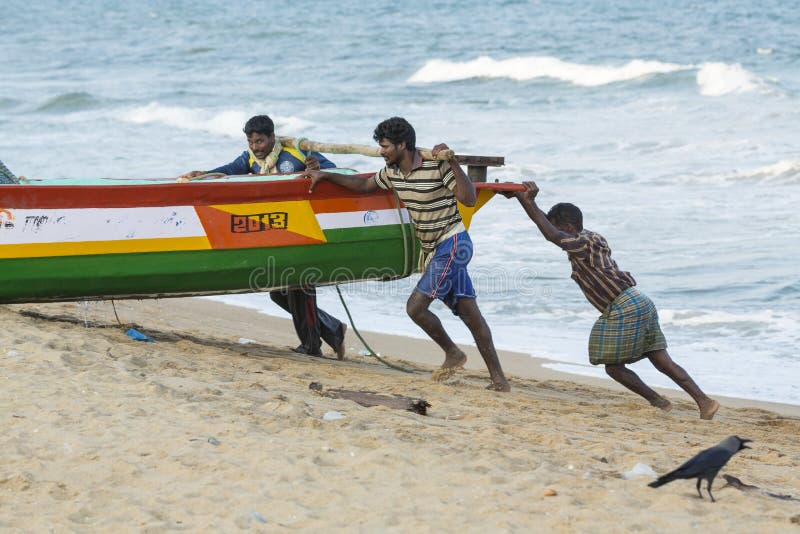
(706, 464)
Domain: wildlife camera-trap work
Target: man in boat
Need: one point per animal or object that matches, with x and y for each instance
(265, 155)
(429, 189)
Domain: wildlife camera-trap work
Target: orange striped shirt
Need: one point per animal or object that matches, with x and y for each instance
(593, 269)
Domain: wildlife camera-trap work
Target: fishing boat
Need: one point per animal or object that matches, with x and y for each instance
(73, 239)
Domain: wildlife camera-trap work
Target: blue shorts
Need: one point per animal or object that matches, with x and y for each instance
(446, 276)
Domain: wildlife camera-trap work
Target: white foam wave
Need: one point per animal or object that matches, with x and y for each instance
(225, 123)
(717, 79)
(781, 173)
(761, 320)
(531, 67)
(713, 78)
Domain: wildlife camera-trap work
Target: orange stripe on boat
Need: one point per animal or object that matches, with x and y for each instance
(364, 203)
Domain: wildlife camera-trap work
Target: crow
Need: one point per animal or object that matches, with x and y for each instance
(706, 464)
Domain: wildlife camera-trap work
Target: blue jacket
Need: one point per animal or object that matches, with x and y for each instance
(289, 160)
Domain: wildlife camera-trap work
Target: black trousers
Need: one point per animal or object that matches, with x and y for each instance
(311, 324)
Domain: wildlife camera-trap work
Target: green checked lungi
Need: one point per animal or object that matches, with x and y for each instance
(626, 331)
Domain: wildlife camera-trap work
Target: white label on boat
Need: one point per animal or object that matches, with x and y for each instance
(100, 224)
(355, 219)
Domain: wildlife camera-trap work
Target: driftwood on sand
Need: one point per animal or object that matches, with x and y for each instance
(369, 399)
(738, 484)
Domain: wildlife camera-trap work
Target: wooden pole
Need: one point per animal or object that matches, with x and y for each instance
(476, 165)
(364, 150)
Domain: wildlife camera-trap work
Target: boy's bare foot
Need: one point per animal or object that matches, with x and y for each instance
(708, 410)
(662, 403)
(453, 361)
(499, 386)
(341, 348)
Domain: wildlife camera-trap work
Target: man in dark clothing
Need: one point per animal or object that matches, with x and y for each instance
(265, 155)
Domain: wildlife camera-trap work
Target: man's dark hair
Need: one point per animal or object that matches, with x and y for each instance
(259, 124)
(566, 213)
(396, 130)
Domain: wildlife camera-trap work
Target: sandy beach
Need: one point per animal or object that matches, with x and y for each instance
(214, 427)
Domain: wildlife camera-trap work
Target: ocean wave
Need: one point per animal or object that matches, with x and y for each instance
(713, 79)
(226, 123)
(532, 67)
(756, 322)
(718, 79)
(785, 172)
(68, 102)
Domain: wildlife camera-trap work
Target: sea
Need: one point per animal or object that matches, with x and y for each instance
(674, 126)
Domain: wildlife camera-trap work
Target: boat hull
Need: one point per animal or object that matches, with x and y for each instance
(152, 240)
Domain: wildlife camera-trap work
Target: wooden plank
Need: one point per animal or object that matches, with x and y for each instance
(481, 161)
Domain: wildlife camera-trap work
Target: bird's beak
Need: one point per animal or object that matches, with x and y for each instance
(743, 446)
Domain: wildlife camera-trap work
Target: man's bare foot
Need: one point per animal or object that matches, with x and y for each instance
(708, 410)
(662, 403)
(501, 385)
(453, 361)
(340, 350)
(300, 349)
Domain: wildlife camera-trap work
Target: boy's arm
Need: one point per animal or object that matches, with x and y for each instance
(528, 200)
(353, 183)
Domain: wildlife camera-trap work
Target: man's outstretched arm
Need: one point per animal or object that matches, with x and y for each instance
(353, 183)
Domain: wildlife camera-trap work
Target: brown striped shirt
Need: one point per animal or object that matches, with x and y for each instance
(593, 269)
(427, 192)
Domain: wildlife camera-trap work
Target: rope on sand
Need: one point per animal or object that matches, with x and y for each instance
(408, 268)
(371, 352)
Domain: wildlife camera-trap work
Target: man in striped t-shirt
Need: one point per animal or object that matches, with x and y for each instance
(627, 329)
(430, 189)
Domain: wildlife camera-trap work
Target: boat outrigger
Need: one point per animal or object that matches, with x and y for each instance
(74, 239)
